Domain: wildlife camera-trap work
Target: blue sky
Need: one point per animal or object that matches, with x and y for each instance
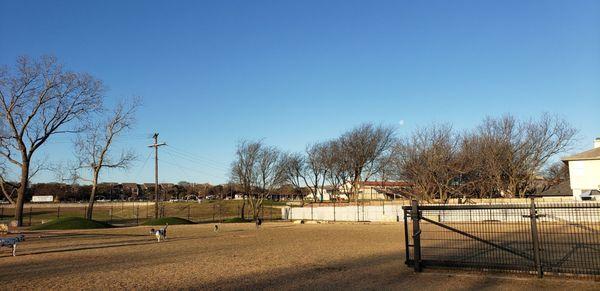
(294, 72)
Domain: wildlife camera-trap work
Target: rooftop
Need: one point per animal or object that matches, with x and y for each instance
(593, 154)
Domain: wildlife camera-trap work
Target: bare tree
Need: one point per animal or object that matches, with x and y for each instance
(556, 173)
(94, 146)
(337, 167)
(37, 101)
(428, 160)
(502, 157)
(243, 168)
(292, 169)
(315, 170)
(523, 148)
(270, 175)
(363, 146)
(258, 170)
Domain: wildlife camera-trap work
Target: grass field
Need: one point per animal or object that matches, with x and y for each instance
(279, 255)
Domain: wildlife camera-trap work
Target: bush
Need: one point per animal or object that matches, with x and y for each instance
(71, 223)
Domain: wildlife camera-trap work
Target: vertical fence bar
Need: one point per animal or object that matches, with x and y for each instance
(58, 211)
(30, 210)
(406, 242)
(334, 210)
(111, 213)
(535, 238)
(416, 217)
(363, 210)
(137, 216)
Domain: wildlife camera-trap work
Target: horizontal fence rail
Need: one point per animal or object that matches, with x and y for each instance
(541, 238)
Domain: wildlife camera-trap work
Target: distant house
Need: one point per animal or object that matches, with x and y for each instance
(323, 194)
(584, 173)
(379, 190)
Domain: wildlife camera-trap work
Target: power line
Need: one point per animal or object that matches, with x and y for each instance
(185, 174)
(193, 170)
(196, 156)
(144, 164)
(196, 161)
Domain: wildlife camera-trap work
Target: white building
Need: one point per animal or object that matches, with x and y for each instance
(584, 172)
(326, 195)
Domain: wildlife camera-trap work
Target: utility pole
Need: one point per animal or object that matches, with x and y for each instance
(155, 146)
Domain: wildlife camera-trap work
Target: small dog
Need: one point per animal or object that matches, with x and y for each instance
(12, 242)
(160, 233)
(216, 229)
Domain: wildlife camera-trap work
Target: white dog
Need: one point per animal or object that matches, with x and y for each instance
(160, 233)
(12, 242)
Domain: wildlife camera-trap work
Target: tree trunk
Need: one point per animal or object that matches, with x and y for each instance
(356, 186)
(242, 214)
(90, 210)
(22, 191)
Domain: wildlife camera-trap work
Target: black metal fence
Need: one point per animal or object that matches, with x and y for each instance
(557, 238)
(135, 213)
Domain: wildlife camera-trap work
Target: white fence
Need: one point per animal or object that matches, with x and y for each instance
(387, 213)
(581, 211)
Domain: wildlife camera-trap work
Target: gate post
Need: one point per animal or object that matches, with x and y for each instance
(406, 242)
(535, 238)
(415, 215)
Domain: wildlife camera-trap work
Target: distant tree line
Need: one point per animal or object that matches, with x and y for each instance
(63, 192)
(501, 157)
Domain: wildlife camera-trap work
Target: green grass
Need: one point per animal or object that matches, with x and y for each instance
(169, 220)
(71, 223)
(234, 220)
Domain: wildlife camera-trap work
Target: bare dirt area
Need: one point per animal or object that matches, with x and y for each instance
(279, 255)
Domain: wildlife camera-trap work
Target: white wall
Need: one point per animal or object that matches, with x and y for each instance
(585, 175)
(344, 213)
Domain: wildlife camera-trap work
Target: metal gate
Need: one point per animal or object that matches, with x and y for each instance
(557, 238)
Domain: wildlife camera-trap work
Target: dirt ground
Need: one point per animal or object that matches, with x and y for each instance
(279, 255)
